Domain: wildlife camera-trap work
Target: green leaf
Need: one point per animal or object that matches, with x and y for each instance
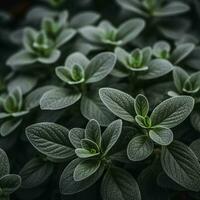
(181, 165)
(181, 52)
(35, 172)
(161, 135)
(10, 183)
(140, 148)
(50, 139)
(141, 105)
(195, 120)
(110, 136)
(75, 136)
(122, 55)
(179, 76)
(59, 98)
(99, 67)
(195, 147)
(93, 108)
(172, 112)
(130, 29)
(4, 163)
(93, 132)
(89, 145)
(9, 126)
(119, 103)
(119, 184)
(157, 68)
(76, 59)
(69, 186)
(85, 169)
(84, 153)
(172, 8)
(52, 58)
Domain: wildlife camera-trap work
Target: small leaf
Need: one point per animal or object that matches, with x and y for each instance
(119, 103)
(93, 132)
(119, 184)
(99, 67)
(161, 135)
(141, 105)
(181, 165)
(172, 112)
(85, 169)
(75, 136)
(140, 148)
(59, 98)
(50, 139)
(110, 136)
(195, 147)
(69, 186)
(89, 145)
(4, 164)
(10, 183)
(84, 153)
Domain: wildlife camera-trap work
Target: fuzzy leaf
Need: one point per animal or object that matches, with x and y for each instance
(4, 164)
(141, 105)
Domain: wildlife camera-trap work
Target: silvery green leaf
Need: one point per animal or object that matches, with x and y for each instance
(76, 58)
(147, 54)
(4, 163)
(162, 136)
(69, 186)
(195, 120)
(92, 34)
(25, 83)
(52, 58)
(10, 183)
(64, 74)
(140, 148)
(119, 103)
(35, 172)
(179, 76)
(50, 139)
(141, 105)
(119, 184)
(193, 59)
(181, 165)
(9, 126)
(133, 5)
(86, 169)
(65, 35)
(58, 99)
(172, 8)
(99, 67)
(85, 154)
(181, 52)
(195, 80)
(84, 18)
(75, 136)
(28, 38)
(89, 145)
(195, 147)
(122, 55)
(93, 108)
(110, 136)
(156, 68)
(161, 47)
(172, 111)
(4, 115)
(33, 99)
(93, 132)
(130, 29)
(21, 58)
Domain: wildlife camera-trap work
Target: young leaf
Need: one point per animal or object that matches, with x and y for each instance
(140, 148)
(120, 103)
(141, 105)
(161, 135)
(85, 153)
(85, 169)
(4, 163)
(119, 184)
(50, 139)
(99, 67)
(75, 136)
(69, 186)
(181, 165)
(93, 132)
(172, 112)
(110, 136)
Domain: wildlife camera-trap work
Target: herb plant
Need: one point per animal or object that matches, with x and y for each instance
(100, 100)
